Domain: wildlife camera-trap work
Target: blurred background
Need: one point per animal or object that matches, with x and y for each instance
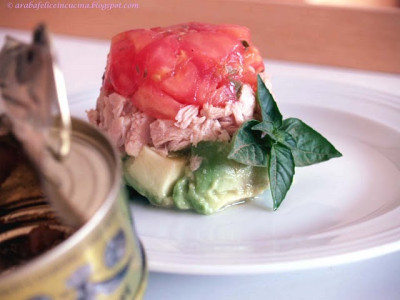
(360, 34)
(354, 3)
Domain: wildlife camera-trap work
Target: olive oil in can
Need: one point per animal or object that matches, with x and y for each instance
(103, 258)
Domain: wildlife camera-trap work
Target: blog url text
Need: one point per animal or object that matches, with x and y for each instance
(37, 5)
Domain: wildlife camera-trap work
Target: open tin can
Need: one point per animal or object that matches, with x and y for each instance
(102, 258)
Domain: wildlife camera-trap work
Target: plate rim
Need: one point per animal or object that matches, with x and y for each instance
(351, 256)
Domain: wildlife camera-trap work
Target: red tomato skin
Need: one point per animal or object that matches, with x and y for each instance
(164, 68)
(120, 72)
(185, 75)
(155, 103)
(158, 60)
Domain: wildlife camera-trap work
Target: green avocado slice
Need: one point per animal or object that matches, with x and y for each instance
(153, 175)
(207, 186)
(218, 181)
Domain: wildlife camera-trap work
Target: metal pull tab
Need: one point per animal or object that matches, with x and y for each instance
(65, 117)
(32, 92)
(31, 84)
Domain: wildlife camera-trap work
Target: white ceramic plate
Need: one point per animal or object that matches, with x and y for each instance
(340, 211)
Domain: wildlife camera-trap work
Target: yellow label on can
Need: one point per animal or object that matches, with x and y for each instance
(103, 262)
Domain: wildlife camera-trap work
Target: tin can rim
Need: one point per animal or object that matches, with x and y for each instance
(78, 236)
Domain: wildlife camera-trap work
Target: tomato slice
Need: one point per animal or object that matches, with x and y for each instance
(253, 65)
(206, 85)
(120, 73)
(223, 95)
(211, 48)
(141, 38)
(159, 59)
(155, 103)
(181, 85)
(163, 68)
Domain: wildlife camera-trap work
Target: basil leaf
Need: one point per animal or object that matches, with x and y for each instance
(269, 108)
(280, 172)
(248, 147)
(310, 146)
(275, 134)
(285, 138)
(266, 128)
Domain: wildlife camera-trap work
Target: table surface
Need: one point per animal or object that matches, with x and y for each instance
(375, 278)
(294, 30)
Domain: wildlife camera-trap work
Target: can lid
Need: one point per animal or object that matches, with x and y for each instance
(32, 89)
(87, 174)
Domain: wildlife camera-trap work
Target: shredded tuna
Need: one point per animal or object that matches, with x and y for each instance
(243, 109)
(166, 133)
(209, 130)
(229, 124)
(138, 133)
(212, 112)
(93, 116)
(131, 129)
(122, 122)
(108, 117)
(187, 115)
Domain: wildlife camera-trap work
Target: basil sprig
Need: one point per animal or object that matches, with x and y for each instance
(278, 145)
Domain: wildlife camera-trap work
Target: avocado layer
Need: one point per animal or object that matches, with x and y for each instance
(216, 182)
(153, 175)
